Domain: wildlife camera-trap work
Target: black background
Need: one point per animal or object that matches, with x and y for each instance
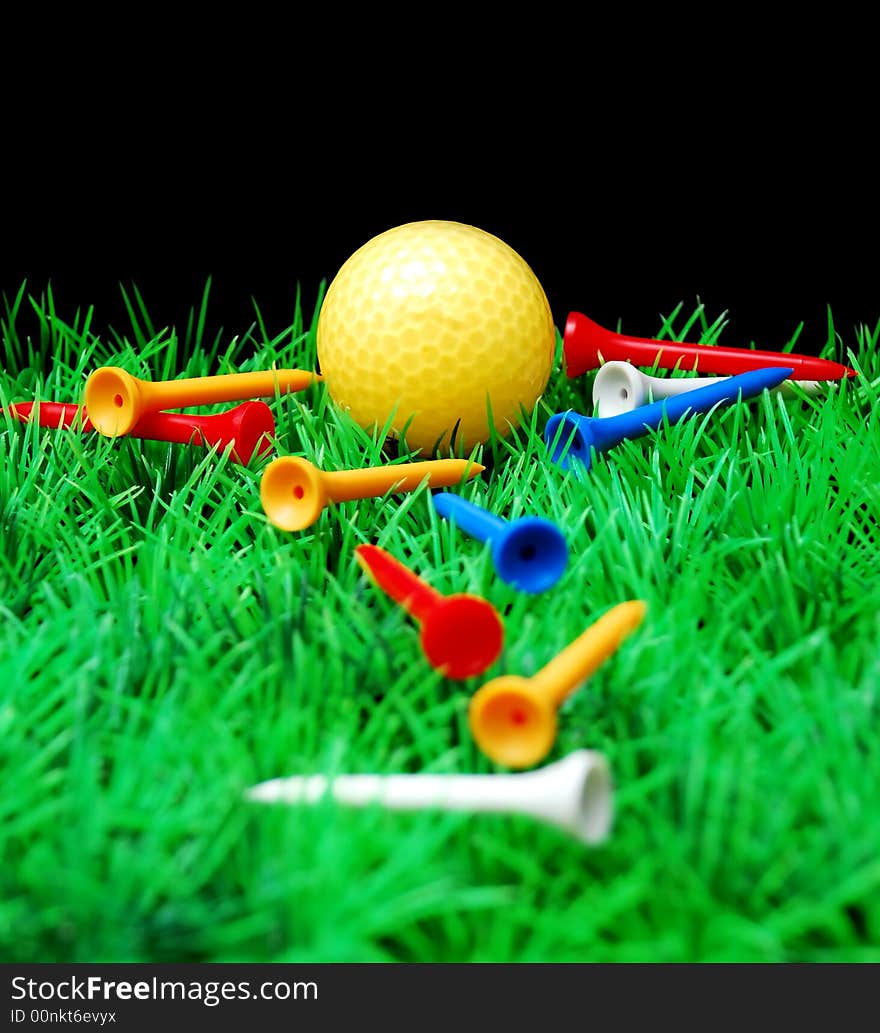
(627, 245)
(630, 180)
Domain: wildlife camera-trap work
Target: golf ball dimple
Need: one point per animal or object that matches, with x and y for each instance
(429, 326)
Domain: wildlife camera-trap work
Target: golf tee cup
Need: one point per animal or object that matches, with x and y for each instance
(513, 719)
(461, 635)
(620, 387)
(574, 794)
(115, 400)
(294, 492)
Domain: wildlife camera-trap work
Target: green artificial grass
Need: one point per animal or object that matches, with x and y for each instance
(163, 647)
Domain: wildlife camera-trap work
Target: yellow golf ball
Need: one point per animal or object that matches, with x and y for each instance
(435, 325)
